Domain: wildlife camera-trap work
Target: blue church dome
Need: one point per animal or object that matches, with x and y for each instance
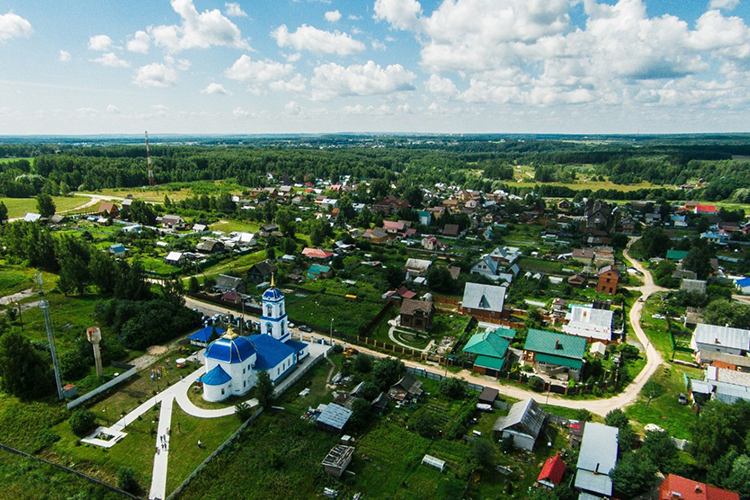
(230, 349)
(217, 376)
(273, 294)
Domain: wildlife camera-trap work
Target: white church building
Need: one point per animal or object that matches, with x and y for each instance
(233, 361)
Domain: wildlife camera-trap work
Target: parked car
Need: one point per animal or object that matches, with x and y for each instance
(305, 328)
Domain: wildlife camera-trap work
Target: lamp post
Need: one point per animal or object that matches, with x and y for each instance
(331, 334)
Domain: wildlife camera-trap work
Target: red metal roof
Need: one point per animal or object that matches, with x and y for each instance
(675, 487)
(316, 253)
(553, 470)
(705, 209)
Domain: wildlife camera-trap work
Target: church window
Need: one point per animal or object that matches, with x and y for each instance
(269, 310)
(281, 309)
(269, 328)
(222, 392)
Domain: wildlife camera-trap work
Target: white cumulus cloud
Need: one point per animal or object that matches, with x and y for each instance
(215, 88)
(441, 87)
(140, 42)
(113, 109)
(723, 4)
(65, 56)
(234, 10)
(333, 16)
(402, 14)
(100, 43)
(155, 75)
(331, 80)
(292, 108)
(198, 30)
(317, 41)
(110, 59)
(297, 83)
(14, 26)
(247, 70)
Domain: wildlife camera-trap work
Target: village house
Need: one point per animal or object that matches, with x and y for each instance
(406, 389)
(316, 253)
(491, 350)
(483, 301)
(590, 323)
(552, 473)
(583, 255)
(417, 267)
(555, 354)
(723, 339)
(209, 247)
(174, 222)
(608, 279)
(261, 272)
(417, 314)
(596, 459)
(680, 488)
(109, 210)
(175, 259)
(225, 283)
(390, 204)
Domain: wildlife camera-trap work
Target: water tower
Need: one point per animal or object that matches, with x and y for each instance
(94, 335)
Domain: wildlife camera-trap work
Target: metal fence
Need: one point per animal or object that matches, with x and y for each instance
(102, 388)
(72, 471)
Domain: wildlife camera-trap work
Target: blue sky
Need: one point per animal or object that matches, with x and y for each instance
(307, 66)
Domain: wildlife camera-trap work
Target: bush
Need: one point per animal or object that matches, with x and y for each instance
(453, 388)
(536, 384)
(363, 363)
(82, 422)
(243, 411)
(338, 348)
(126, 480)
(425, 424)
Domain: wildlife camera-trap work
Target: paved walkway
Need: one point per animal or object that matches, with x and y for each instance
(161, 455)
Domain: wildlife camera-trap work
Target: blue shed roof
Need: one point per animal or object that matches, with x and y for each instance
(234, 350)
(217, 376)
(273, 294)
(271, 351)
(205, 334)
(743, 282)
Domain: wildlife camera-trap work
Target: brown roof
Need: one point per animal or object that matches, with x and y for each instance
(410, 306)
(450, 230)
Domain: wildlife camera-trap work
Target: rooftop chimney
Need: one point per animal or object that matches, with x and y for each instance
(557, 344)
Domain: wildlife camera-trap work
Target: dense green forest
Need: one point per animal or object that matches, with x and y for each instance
(475, 162)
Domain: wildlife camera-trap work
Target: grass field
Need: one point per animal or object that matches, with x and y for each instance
(18, 207)
(231, 226)
(176, 191)
(9, 160)
(27, 479)
(664, 410)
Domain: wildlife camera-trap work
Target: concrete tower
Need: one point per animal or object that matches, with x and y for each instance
(95, 336)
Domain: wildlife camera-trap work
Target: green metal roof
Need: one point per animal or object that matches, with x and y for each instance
(558, 360)
(676, 254)
(488, 343)
(490, 362)
(554, 344)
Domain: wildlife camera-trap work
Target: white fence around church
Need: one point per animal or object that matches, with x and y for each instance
(104, 387)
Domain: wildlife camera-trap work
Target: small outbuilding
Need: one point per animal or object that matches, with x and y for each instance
(338, 459)
(488, 396)
(333, 418)
(523, 423)
(406, 388)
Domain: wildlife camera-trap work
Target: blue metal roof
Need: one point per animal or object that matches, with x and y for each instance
(205, 334)
(271, 352)
(273, 294)
(234, 350)
(217, 376)
(296, 345)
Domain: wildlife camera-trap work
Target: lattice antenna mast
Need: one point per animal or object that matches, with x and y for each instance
(50, 336)
(148, 164)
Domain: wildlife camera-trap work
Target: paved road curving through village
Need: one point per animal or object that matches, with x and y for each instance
(598, 406)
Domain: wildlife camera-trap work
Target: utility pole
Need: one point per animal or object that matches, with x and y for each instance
(50, 337)
(331, 334)
(20, 314)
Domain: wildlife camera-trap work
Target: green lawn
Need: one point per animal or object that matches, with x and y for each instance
(18, 207)
(317, 310)
(664, 410)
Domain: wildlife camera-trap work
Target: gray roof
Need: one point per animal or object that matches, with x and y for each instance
(334, 415)
(707, 356)
(525, 416)
(689, 285)
(733, 338)
(226, 282)
(597, 458)
(487, 297)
